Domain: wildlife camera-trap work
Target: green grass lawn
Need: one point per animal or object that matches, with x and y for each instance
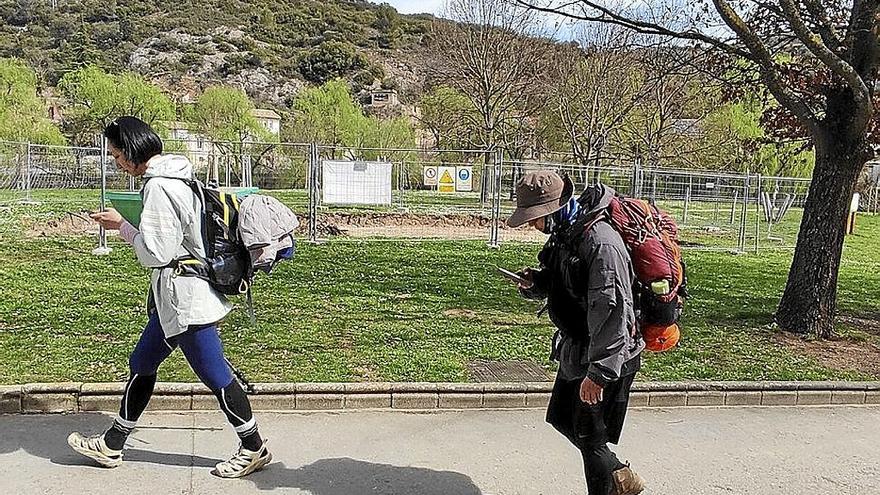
(355, 310)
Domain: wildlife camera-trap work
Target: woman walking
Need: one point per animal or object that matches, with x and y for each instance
(183, 311)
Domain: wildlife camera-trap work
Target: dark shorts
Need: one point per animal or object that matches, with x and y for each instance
(584, 424)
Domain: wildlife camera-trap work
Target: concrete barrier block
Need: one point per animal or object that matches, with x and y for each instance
(413, 387)
(368, 401)
(667, 399)
(415, 400)
(814, 397)
(638, 399)
(320, 388)
(271, 402)
(705, 398)
(461, 388)
(275, 388)
(872, 397)
(10, 399)
(504, 400)
(539, 387)
(742, 398)
(537, 400)
(779, 398)
(205, 402)
(100, 403)
(848, 397)
(460, 401)
(49, 403)
(173, 403)
(319, 402)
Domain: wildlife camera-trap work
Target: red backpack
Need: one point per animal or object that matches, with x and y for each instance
(651, 237)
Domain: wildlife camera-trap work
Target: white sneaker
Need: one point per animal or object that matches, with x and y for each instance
(243, 463)
(95, 449)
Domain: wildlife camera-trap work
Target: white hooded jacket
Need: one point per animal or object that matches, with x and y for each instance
(171, 219)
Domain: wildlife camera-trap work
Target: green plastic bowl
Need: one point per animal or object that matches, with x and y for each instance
(130, 205)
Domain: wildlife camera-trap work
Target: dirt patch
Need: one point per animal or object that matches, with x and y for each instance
(69, 224)
(358, 225)
(461, 313)
(838, 353)
(417, 226)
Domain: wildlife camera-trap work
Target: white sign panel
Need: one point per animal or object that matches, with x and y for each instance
(464, 179)
(429, 175)
(854, 204)
(356, 182)
(447, 179)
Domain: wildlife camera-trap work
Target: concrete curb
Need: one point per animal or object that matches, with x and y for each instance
(81, 397)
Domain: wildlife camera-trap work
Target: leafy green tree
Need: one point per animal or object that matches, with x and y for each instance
(225, 115)
(97, 97)
(330, 116)
(23, 114)
(447, 114)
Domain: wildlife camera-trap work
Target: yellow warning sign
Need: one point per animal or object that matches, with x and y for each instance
(447, 181)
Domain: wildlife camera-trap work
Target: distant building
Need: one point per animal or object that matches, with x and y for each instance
(268, 119)
(383, 98)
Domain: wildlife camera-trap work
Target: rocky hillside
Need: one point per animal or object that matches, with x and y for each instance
(270, 48)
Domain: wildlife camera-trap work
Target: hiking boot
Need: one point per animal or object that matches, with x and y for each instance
(627, 482)
(243, 463)
(95, 449)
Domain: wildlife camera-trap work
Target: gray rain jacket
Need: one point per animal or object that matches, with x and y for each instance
(587, 278)
(171, 228)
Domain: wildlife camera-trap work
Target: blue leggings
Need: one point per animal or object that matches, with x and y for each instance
(200, 344)
(202, 348)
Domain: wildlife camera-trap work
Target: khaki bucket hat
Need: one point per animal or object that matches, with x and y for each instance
(539, 194)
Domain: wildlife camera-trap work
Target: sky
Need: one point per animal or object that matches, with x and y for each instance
(436, 6)
(415, 6)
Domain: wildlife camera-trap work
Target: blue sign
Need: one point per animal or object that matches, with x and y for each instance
(464, 174)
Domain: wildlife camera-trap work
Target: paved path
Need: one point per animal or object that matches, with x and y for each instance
(758, 451)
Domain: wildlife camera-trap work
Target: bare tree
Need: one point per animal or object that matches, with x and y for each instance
(819, 60)
(598, 81)
(666, 121)
(494, 54)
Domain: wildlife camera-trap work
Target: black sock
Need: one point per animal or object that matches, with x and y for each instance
(137, 395)
(235, 404)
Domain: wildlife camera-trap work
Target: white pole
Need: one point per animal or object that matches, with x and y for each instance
(102, 249)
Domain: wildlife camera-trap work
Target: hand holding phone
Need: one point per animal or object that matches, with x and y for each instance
(521, 279)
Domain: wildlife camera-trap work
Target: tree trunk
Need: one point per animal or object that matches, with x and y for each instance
(809, 302)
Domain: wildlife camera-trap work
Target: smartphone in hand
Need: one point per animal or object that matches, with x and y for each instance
(513, 277)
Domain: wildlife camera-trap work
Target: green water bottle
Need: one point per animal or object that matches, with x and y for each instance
(660, 287)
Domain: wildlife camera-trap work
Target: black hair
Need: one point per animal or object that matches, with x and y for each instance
(134, 138)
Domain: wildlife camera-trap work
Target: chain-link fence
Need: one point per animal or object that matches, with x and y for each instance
(714, 210)
(426, 194)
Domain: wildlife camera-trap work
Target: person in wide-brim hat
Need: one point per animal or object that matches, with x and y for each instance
(539, 194)
(586, 277)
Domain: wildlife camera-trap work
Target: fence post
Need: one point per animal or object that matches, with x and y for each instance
(25, 182)
(758, 214)
(27, 174)
(635, 179)
(496, 199)
(313, 192)
(743, 217)
(687, 199)
(102, 249)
